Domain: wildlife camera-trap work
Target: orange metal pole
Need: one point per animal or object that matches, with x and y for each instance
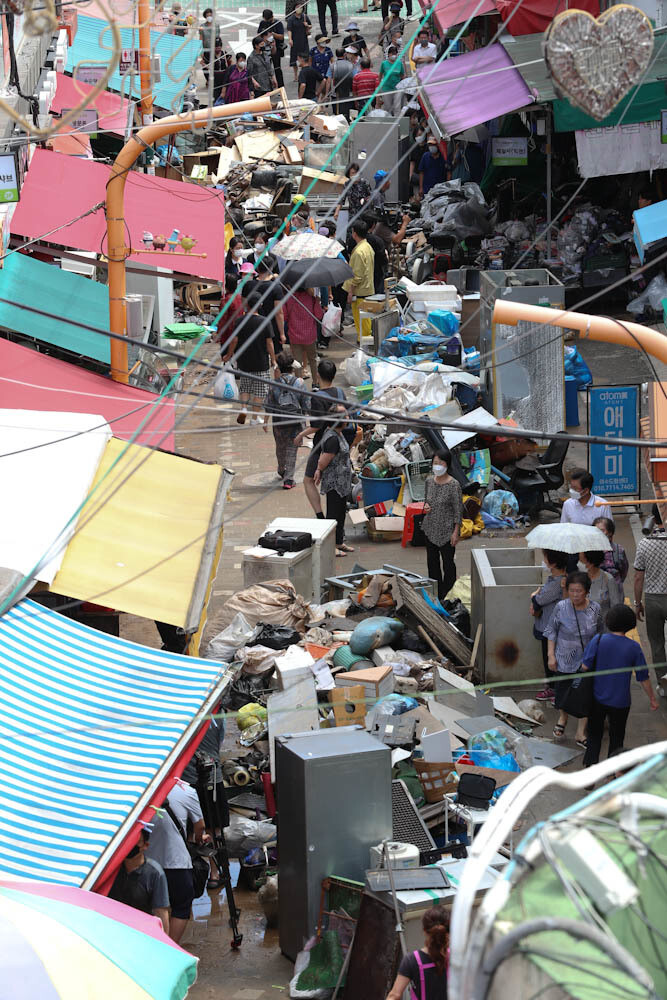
(589, 327)
(144, 15)
(117, 251)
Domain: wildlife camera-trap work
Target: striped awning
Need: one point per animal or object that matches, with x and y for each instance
(93, 731)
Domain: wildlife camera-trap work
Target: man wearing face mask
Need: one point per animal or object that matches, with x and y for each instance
(321, 55)
(274, 32)
(432, 168)
(208, 34)
(391, 73)
(581, 507)
(260, 69)
(142, 883)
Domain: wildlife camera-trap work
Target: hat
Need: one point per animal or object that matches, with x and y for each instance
(379, 176)
(352, 26)
(353, 49)
(322, 38)
(247, 268)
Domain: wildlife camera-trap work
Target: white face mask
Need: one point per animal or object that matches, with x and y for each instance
(237, 253)
(421, 139)
(575, 494)
(260, 247)
(439, 470)
(392, 58)
(241, 65)
(209, 20)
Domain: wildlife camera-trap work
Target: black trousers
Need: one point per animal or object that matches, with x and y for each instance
(441, 566)
(336, 511)
(321, 13)
(617, 717)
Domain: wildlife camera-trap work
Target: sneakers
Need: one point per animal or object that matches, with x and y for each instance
(289, 484)
(546, 694)
(660, 690)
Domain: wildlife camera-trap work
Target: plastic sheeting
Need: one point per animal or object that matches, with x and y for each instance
(38, 504)
(621, 149)
(532, 389)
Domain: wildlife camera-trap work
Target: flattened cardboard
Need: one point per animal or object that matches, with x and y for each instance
(508, 706)
(500, 777)
(349, 705)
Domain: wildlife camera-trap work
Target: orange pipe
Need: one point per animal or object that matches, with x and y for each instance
(589, 327)
(117, 252)
(144, 16)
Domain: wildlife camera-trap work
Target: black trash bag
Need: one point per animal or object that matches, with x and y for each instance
(411, 640)
(276, 636)
(459, 615)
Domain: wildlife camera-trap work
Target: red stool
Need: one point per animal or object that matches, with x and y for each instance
(411, 511)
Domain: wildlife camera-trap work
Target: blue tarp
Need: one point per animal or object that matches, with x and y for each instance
(93, 43)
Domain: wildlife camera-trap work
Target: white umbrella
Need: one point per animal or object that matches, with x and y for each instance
(309, 245)
(566, 537)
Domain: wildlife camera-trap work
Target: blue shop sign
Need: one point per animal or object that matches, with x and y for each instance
(613, 413)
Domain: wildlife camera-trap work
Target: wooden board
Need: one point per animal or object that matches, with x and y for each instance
(444, 633)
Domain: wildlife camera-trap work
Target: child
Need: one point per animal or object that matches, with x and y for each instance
(611, 692)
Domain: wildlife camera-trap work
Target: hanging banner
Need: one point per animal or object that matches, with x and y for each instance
(90, 73)
(10, 177)
(509, 152)
(613, 413)
(85, 121)
(621, 149)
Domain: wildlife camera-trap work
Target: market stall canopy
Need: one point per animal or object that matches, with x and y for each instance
(95, 729)
(61, 300)
(58, 189)
(148, 539)
(525, 17)
(112, 109)
(32, 381)
(473, 88)
(527, 55)
(450, 12)
(93, 44)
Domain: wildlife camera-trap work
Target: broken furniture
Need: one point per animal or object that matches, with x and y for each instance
(502, 581)
(334, 804)
(534, 478)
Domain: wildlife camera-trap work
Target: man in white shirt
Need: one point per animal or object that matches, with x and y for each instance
(583, 506)
(167, 846)
(423, 51)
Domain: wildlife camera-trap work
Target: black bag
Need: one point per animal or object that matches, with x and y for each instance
(200, 866)
(286, 541)
(284, 401)
(276, 637)
(475, 790)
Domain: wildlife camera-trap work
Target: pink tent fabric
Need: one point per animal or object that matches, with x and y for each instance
(530, 17)
(449, 12)
(112, 109)
(33, 381)
(473, 88)
(57, 189)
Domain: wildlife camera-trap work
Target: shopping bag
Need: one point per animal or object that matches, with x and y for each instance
(331, 320)
(225, 387)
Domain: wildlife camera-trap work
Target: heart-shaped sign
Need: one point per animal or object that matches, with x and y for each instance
(595, 61)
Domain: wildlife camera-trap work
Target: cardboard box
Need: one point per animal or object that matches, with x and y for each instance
(325, 182)
(376, 681)
(349, 705)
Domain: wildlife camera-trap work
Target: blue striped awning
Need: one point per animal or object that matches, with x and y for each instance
(92, 727)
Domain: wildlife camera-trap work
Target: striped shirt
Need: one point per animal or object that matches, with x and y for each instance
(365, 82)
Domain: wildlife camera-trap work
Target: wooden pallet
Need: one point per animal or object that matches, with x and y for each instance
(439, 628)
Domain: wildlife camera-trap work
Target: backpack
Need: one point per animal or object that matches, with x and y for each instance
(285, 402)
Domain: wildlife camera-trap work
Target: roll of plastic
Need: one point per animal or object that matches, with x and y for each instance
(240, 776)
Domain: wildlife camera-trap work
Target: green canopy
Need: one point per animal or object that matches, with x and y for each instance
(643, 105)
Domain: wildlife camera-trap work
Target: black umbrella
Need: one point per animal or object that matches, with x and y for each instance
(323, 271)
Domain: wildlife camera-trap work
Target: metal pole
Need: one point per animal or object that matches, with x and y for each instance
(117, 251)
(144, 17)
(549, 155)
(397, 912)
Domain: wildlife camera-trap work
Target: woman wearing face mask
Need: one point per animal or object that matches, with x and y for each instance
(391, 73)
(615, 561)
(575, 621)
(209, 38)
(258, 248)
(605, 591)
(237, 88)
(334, 477)
(443, 508)
(234, 257)
(543, 603)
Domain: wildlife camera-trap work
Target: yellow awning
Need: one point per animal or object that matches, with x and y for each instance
(146, 540)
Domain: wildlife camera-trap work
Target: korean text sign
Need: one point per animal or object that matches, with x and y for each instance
(614, 413)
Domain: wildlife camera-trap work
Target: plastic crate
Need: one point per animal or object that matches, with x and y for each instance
(364, 392)
(416, 474)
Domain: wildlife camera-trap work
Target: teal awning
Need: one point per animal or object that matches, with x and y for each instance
(25, 281)
(642, 105)
(93, 43)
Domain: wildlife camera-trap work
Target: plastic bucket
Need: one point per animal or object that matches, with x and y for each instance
(377, 490)
(571, 402)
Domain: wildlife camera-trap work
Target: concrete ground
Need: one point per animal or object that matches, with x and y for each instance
(209, 432)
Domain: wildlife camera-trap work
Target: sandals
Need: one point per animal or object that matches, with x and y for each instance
(582, 743)
(214, 883)
(340, 553)
(559, 731)
(346, 548)
(289, 484)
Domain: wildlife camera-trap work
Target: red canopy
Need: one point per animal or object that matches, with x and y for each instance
(533, 16)
(112, 109)
(33, 381)
(57, 189)
(449, 12)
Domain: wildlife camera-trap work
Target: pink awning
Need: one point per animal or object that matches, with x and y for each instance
(112, 109)
(32, 381)
(449, 12)
(473, 88)
(530, 17)
(58, 189)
